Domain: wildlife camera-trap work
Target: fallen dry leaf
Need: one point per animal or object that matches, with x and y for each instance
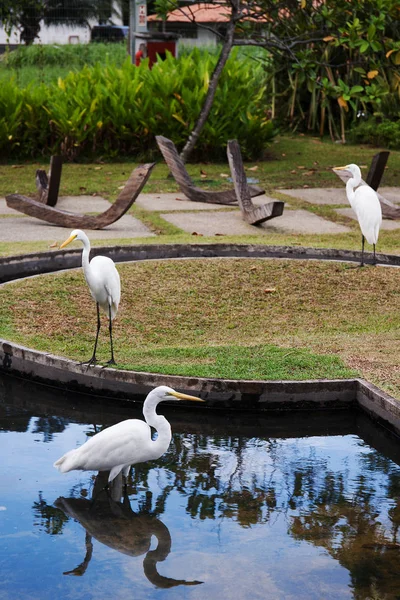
(179, 199)
(54, 245)
(253, 168)
(294, 172)
(98, 168)
(17, 166)
(195, 233)
(269, 290)
(219, 234)
(300, 167)
(223, 175)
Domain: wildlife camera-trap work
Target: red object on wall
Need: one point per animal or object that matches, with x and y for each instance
(160, 48)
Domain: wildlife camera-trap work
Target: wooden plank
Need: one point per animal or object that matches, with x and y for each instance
(54, 180)
(48, 186)
(53, 215)
(251, 214)
(377, 169)
(186, 185)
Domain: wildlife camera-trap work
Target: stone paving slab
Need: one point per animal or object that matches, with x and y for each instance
(171, 202)
(387, 224)
(336, 195)
(231, 223)
(24, 228)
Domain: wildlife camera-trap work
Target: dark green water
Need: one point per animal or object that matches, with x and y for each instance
(295, 506)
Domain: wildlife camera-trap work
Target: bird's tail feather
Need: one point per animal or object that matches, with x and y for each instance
(66, 463)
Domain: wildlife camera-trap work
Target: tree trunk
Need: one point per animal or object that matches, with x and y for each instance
(212, 88)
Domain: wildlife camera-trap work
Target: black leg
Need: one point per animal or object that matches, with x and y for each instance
(374, 254)
(93, 360)
(111, 361)
(362, 251)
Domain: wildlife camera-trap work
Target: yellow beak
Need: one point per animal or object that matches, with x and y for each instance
(186, 397)
(340, 168)
(68, 241)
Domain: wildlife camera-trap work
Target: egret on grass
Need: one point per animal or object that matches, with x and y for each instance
(365, 203)
(104, 283)
(127, 443)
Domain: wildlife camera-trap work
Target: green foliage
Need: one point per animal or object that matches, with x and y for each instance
(344, 59)
(112, 111)
(385, 133)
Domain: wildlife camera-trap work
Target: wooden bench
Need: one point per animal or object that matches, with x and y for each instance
(373, 179)
(48, 186)
(186, 185)
(251, 214)
(51, 214)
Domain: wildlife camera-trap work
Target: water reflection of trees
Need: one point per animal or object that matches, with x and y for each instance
(352, 512)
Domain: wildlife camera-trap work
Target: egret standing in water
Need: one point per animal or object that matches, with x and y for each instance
(104, 283)
(127, 443)
(365, 203)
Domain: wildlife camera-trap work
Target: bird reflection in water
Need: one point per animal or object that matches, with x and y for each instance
(113, 523)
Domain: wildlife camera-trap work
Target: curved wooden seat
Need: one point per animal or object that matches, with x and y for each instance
(63, 218)
(183, 179)
(254, 215)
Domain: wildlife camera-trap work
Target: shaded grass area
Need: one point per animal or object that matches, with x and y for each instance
(291, 161)
(230, 318)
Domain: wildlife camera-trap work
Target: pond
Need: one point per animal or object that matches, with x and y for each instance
(271, 506)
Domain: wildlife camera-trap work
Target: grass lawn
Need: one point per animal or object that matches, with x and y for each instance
(217, 318)
(231, 318)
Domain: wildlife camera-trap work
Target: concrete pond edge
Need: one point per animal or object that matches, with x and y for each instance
(237, 395)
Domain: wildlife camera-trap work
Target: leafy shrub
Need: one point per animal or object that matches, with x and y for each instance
(112, 111)
(383, 133)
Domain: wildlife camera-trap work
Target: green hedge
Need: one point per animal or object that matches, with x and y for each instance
(106, 110)
(383, 133)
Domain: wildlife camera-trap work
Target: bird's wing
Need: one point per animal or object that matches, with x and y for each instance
(122, 444)
(106, 283)
(369, 213)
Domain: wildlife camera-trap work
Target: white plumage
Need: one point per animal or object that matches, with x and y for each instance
(365, 203)
(104, 284)
(127, 443)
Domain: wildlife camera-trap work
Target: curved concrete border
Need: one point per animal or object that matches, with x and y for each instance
(27, 265)
(219, 393)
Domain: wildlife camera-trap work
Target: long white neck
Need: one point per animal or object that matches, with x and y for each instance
(352, 183)
(86, 251)
(350, 190)
(160, 424)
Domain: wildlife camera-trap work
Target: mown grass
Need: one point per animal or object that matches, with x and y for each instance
(291, 161)
(254, 319)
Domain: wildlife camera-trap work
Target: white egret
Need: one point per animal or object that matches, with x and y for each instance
(127, 443)
(365, 203)
(104, 283)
